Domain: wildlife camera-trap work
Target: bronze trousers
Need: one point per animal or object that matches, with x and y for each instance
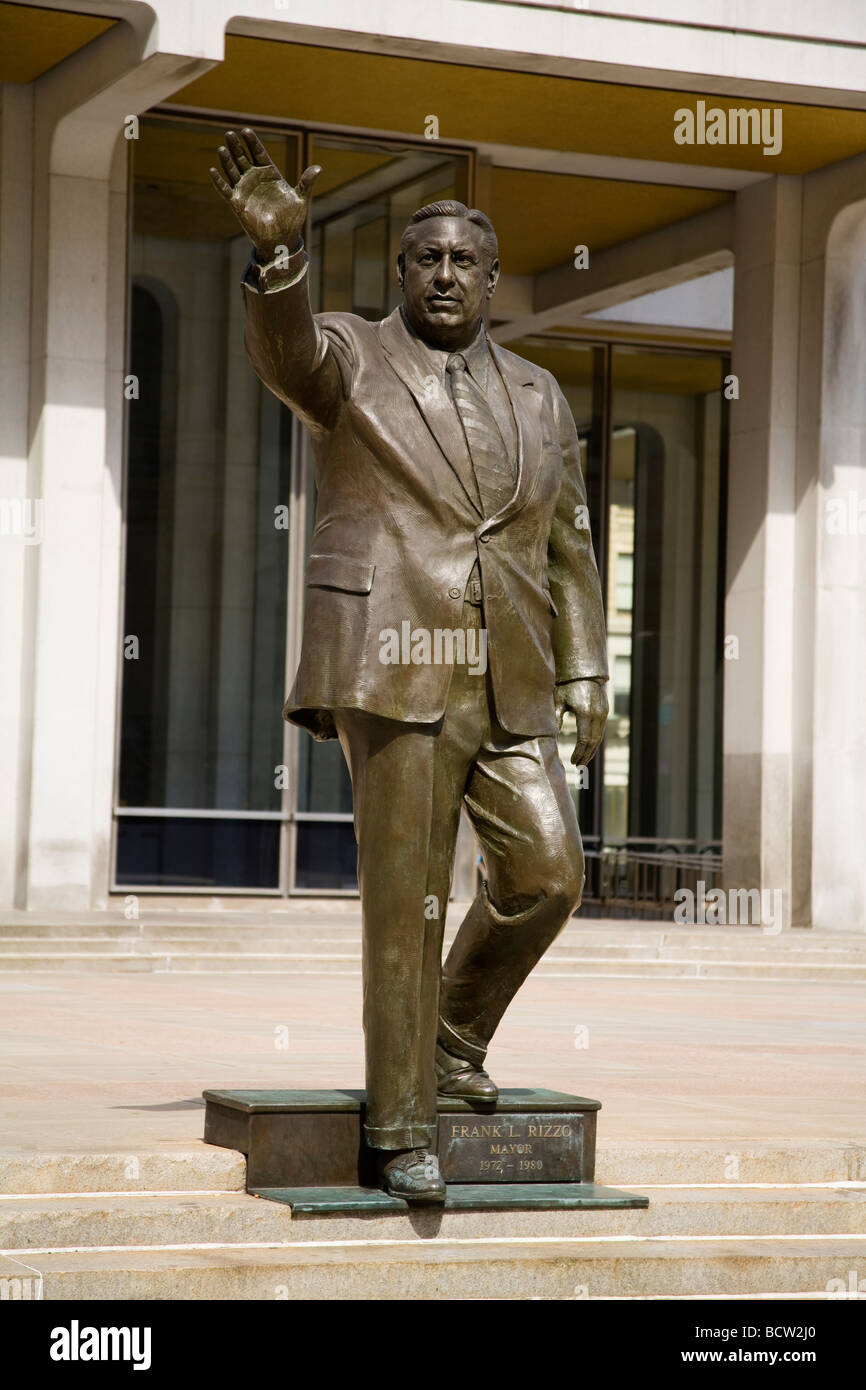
(408, 782)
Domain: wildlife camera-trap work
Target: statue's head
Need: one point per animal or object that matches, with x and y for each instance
(448, 266)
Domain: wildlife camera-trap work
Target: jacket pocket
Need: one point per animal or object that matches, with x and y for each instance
(339, 572)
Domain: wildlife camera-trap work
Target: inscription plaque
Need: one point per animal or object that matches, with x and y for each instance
(512, 1147)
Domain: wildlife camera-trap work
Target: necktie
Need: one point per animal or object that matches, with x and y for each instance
(493, 468)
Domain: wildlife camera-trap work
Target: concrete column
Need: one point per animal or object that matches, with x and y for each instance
(759, 613)
(838, 823)
(828, 711)
(20, 513)
(76, 411)
(707, 525)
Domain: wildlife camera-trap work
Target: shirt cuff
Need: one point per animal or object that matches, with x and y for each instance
(278, 274)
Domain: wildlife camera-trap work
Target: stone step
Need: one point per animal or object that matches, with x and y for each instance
(77, 1221)
(304, 927)
(338, 961)
(769, 948)
(552, 1267)
(204, 1167)
(343, 959)
(306, 911)
(569, 946)
(175, 929)
(774, 969)
(182, 1168)
(185, 946)
(75, 945)
(667, 933)
(632, 1165)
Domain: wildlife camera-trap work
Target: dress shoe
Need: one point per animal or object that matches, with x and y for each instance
(457, 1079)
(413, 1174)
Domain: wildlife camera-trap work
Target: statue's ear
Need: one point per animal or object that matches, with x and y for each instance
(492, 277)
(401, 269)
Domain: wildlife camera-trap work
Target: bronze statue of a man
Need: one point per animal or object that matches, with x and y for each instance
(449, 523)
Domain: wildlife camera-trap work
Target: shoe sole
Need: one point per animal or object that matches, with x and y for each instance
(469, 1096)
(418, 1199)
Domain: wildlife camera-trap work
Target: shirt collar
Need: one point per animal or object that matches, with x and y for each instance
(476, 355)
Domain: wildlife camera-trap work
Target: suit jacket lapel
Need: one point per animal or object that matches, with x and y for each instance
(526, 403)
(409, 360)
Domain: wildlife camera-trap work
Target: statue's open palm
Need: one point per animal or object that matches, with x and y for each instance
(271, 212)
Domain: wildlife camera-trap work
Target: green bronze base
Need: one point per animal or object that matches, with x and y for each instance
(554, 1196)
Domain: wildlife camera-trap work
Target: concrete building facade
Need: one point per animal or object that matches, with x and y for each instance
(682, 214)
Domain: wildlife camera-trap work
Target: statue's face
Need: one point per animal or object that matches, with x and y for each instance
(447, 275)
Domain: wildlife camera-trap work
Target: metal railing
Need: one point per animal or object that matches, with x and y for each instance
(639, 879)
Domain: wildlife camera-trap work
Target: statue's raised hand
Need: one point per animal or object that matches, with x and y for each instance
(271, 212)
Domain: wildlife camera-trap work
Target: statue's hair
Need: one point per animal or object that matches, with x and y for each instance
(450, 208)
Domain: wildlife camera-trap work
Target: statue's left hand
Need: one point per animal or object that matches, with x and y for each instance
(587, 701)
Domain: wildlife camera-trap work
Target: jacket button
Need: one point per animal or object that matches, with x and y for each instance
(454, 593)
(485, 538)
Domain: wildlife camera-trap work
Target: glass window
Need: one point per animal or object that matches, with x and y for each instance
(624, 568)
(621, 681)
(207, 490)
(363, 199)
(661, 756)
(579, 368)
(327, 856)
(653, 463)
(185, 852)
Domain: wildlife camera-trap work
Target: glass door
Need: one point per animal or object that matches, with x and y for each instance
(580, 370)
(663, 578)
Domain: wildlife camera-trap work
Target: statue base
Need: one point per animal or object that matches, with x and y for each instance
(533, 1148)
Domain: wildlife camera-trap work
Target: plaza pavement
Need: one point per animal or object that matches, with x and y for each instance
(118, 1062)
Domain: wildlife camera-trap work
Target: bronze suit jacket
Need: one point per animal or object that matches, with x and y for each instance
(399, 525)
